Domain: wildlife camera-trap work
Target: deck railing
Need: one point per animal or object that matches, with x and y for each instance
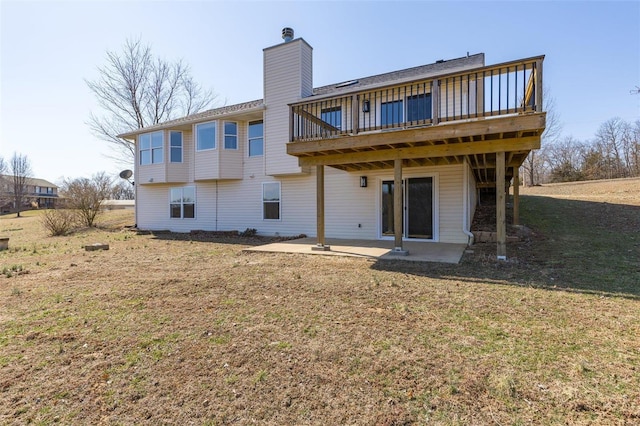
(504, 89)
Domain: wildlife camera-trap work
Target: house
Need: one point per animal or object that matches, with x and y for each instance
(401, 155)
(38, 193)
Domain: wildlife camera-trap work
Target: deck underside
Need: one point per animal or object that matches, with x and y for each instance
(476, 140)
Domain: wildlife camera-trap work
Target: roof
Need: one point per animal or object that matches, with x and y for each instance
(34, 181)
(423, 71)
(200, 116)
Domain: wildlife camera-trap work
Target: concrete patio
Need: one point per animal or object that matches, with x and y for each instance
(374, 249)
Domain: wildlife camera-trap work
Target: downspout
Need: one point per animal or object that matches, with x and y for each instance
(465, 203)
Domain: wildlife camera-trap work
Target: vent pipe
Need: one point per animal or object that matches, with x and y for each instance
(287, 34)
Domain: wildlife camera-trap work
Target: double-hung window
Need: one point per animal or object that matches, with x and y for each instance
(256, 138)
(151, 148)
(182, 204)
(230, 135)
(176, 147)
(332, 116)
(206, 136)
(271, 201)
(391, 113)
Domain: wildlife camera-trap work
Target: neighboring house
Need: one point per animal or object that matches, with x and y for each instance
(39, 193)
(327, 161)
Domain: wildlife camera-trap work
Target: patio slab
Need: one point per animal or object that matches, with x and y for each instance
(374, 249)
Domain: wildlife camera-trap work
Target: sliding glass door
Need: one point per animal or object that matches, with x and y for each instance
(418, 208)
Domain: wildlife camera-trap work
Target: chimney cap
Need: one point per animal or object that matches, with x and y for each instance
(287, 34)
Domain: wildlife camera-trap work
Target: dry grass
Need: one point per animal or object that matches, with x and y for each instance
(615, 191)
(166, 329)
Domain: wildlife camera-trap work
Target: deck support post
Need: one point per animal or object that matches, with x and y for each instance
(320, 245)
(501, 207)
(516, 195)
(397, 208)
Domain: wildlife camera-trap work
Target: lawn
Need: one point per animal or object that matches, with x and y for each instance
(189, 329)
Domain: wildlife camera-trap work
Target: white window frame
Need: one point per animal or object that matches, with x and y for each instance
(273, 202)
(249, 139)
(151, 149)
(171, 147)
(182, 203)
(224, 129)
(215, 135)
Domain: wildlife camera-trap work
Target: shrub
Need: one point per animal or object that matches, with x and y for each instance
(249, 232)
(58, 222)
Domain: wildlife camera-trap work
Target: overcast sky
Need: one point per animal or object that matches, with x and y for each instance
(48, 49)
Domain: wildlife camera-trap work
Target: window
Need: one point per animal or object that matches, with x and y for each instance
(183, 202)
(151, 149)
(206, 136)
(390, 113)
(176, 147)
(49, 190)
(38, 190)
(271, 201)
(256, 138)
(332, 116)
(230, 135)
(419, 107)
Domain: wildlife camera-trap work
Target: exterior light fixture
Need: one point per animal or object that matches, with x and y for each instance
(365, 105)
(363, 181)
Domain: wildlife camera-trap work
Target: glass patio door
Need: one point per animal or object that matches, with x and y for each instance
(418, 208)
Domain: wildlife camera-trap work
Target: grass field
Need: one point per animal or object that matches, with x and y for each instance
(181, 329)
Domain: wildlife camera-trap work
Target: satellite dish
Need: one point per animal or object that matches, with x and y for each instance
(126, 174)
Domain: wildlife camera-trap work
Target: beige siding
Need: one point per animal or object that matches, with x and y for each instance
(151, 173)
(287, 78)
(450, 200)
(472, 195)
(350, 211)
(230, 160)
(152, 207)
(206, 164)
(178, 172)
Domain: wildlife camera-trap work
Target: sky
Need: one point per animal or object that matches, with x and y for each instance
(49, 49)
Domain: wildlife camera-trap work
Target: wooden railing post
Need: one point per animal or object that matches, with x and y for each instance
(539, 90)
(435, 102)
(516, 195)
(501, 205)
(355, 114)
(291, 135)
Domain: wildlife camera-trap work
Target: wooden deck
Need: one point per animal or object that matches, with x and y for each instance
(469, 115)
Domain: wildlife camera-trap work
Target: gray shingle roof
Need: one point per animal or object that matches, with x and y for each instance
(422, 71)
(200, 116)
(32, 181)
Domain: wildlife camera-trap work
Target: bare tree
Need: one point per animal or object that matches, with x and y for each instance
(86, 196)
(20, 172)
(609, 140)
(123, 191)
(534, 166)
(635, 148)
(565, 159)
(136, 90)
(4, 184)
